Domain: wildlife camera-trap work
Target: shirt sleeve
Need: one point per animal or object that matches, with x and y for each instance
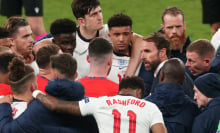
(88, 106)
(156, 116)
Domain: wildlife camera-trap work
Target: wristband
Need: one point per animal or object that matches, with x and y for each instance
(36, 92)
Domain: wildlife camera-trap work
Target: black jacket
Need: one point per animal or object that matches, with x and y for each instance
(38, 119)
(177, 108)
(208, 120)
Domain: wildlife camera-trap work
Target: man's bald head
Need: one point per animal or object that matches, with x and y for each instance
(173, 71)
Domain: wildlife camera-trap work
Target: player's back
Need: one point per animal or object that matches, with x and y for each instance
(122, 114)
(98, 86)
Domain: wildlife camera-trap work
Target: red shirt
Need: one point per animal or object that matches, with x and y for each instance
(5, 89)
(99, 86)
(42, 83)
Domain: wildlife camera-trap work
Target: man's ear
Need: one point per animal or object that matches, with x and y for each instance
(110, 61)
(207, 61)
(81, 21)
(109, 35)
(32, 87)
(12, 42)
(162, 52)
(76, 75)
(184, 25)
(183, 80)
(54, 73)
(139, 93)
(162, 76)
(162, 27)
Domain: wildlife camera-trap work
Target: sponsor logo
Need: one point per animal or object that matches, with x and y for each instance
(121, 67)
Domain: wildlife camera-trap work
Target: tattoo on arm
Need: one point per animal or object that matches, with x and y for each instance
(54, 104)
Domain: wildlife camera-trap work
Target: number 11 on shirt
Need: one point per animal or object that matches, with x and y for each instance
(117, 121)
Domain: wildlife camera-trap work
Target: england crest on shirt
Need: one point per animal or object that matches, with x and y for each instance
(122, 63)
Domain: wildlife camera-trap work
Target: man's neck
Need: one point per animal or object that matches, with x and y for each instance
(46, 73)
(97, 74)
(4, 79)
(127, 92)
(27, 97)
(124, 52)
(13, 49)
(87, 34)
(28, 58)
(98, 71)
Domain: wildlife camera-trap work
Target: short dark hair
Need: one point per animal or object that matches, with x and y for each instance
(160, 41)
(62, 26)
(13, 24)
(174, 70)
(172, 10)
(65, 64)
(82, 7)
(202, 47)
(99, 49)
(119, 20)
(5, 60)
(3, 33)
(44, 53)
(20, 75)
(133, 82)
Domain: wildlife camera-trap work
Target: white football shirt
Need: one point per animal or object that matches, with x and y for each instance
(18, 107)
(81, 52)
(121, 114)
(119, 67)
(215, 41)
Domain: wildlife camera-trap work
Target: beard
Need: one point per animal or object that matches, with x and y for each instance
(177, 42)
(122, 51)
(152, 65)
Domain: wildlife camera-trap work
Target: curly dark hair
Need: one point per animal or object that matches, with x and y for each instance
(133, 82)
(62, 26)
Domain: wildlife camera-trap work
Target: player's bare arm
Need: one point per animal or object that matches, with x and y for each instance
(135, 55)
(158, 128)
(54, 104)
